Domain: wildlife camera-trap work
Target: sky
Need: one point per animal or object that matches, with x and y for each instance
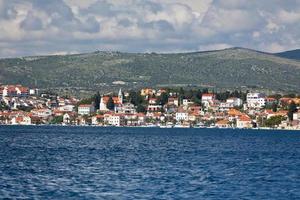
(39, 27)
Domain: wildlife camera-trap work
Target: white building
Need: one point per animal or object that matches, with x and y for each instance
(86, 109)
(173, 101)
(182, 116)
(69, 118)
(66, 108)
(118, 101)
(102, 106)
(234, 102)
(43, 113)
(154, 108)
(296, 116)
(14, 91)
(66, 118)
(230, 103)
(21, 120)
(208, 99)
(126, 108)
(256, 100)
(97, 120)
(187, 102)
(120, 96)
(115, 119)
(33, 91)
(244, 121)
(152, 101)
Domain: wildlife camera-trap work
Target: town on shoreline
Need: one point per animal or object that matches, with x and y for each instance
(151, 107)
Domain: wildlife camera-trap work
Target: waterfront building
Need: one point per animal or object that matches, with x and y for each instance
(118, 101)
(114, 119)
(224, 123)
(181, 115)
(234, 102)
(208, 99)
(244, 121)
(173, 101)
(256, 100)
(21, 120)
(296, 116)
(14, 91)
(126, 108)
(86, 109)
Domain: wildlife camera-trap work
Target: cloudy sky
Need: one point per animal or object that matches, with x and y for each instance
(34, 27)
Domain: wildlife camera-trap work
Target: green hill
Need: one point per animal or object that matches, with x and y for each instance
(293, 54)
(229, 68)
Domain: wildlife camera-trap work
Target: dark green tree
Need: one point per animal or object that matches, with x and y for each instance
(57, 120)
(110, 104)
(291, 110)
(141, 109)
(274, 107)
(135, 98)
(3, 106)
(163, 99)
(205, 90)
(86, 101)
(274, 121)
(97, 99)
(290, 95)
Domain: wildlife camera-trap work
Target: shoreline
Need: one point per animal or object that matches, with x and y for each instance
(146, 127)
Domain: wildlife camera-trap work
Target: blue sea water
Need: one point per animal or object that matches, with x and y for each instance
(148, 163)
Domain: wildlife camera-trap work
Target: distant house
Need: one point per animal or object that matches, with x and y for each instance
(115, 119)
(256, 100)
(152, 101)
(192, 116)
(118, 100)
(126, 108)
(208, 99)
(141, 118)
(296, 116)
(182, 115)
(230, 103)
(160, 92)
(173, 101)
(66, 108)
(86, 109)
(21, 120)
(234, 102)
(195, 109)
(270, 100)
(69, 118)
(287, 100)
(14, 91)
(98, 120)
(147, 91)
(244, 121)
(42, 113)
(223, 124)
(154, 108)
(187, 102)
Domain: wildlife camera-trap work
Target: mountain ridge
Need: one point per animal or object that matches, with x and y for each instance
(232, 68)
(291, 54)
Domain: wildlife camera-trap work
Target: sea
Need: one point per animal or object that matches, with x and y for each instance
(51, 162)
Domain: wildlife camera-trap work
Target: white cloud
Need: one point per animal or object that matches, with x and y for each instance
(272, 27)
(256, 34)
(30, 27)
(289, 17)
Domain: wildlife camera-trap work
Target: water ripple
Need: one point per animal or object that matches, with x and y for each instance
(119, 163)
